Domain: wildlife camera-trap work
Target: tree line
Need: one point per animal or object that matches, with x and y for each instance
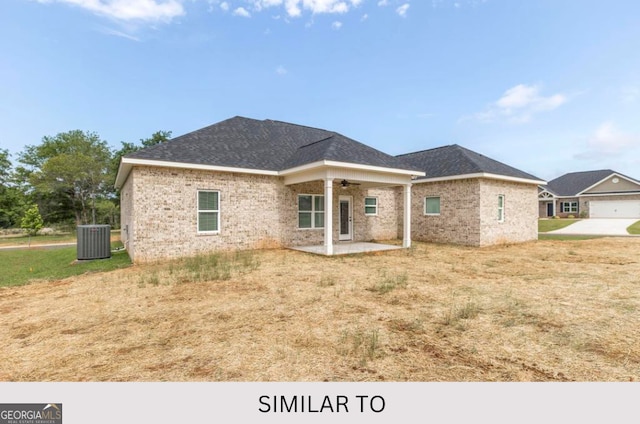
(67, 178)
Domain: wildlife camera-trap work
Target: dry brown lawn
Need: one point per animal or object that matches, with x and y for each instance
(541, 311)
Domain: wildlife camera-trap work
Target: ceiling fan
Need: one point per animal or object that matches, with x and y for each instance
(345, 183)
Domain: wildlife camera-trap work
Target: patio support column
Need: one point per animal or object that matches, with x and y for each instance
(554, 206)
(328, 216)
(406, 239)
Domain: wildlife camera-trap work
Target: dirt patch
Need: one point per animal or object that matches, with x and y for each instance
(541, 311)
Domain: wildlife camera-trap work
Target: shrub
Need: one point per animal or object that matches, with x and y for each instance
(571, 217)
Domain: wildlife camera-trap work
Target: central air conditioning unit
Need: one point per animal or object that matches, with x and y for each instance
(94, 242)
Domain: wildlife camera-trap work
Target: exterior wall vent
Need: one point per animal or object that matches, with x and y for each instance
(94, 242)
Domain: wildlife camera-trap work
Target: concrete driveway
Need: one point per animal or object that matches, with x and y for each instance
(599, 226)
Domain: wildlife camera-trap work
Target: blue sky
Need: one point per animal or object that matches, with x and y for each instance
(546, 86)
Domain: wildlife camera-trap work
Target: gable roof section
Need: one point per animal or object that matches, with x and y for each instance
(261, 147)
(454, 161)
(574, 183)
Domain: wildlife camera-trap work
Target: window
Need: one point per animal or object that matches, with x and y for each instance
(208, 211)
(310, 211)
(371, 206)
(501, 208)
(432, 205)
(569, 207)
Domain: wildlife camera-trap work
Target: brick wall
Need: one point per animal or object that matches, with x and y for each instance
(256, 211)
(469, 212)
(520, 212)
(459, 219)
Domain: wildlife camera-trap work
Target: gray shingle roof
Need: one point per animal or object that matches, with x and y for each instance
(456, 160)
(575, 182)
(265, 145)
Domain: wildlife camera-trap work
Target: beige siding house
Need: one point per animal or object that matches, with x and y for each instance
(245, 184)
(591, 194)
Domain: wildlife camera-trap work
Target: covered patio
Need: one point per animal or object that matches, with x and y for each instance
(344, 174)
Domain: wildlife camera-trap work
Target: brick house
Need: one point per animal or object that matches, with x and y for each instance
(590, 194)
(245, 183)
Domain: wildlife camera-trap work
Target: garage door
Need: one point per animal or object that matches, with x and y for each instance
(614, 209)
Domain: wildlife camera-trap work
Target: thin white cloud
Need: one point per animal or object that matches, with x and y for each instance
(129, 10)
(383, 3)
(295, 8)
(336, 25)
(519, 104)
(364, 17)
(225, 6)
(608, 140)
(241, 11)
(281, 70)
(111, 31)
(402, 10)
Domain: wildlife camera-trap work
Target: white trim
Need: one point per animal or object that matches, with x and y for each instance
(328, 217)
(313, 211)
(198, 211)
(479, 175)
(348, 165)
(424, 209)
(406, 230)
(636, 193)
(541, 197)
(349, 235)
(562, 205)
(127, 163)
(501, 209)
(604, 179)
(371, 206)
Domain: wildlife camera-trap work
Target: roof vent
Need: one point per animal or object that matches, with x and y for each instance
(94, 242)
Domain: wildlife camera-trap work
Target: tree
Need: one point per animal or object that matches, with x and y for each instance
(156, 138)
(32, 221)
(12, 199)
(69, 172)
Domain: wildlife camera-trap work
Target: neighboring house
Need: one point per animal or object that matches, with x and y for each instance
(245, 183)
(591, 194)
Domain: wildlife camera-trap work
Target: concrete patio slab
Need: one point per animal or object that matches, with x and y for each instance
(348, 248)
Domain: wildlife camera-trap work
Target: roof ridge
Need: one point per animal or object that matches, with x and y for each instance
(296, 125)
(426, 150)
(316, 142)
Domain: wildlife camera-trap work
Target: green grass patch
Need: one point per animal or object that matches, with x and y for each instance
(566, 237)
(23, 240)
(22, 266)
(634, 228)
(545, 225)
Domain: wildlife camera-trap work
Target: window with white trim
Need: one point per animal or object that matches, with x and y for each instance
(432, 205)
(371, 206)
(310, 211)
(208, 211)
(570, 207)
(501, 208)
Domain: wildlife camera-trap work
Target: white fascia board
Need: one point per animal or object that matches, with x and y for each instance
(614, 174)
(182, 165)
(347, 165)
(480, 175)
(631, 193)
